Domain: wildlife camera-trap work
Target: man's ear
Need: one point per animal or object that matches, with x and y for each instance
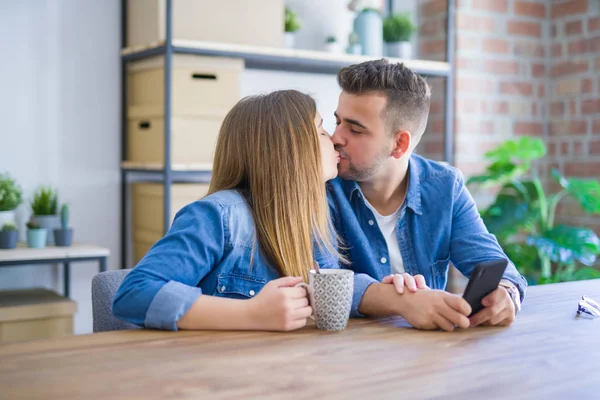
(403, 140)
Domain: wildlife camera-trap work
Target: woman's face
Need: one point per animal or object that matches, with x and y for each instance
(329, 157)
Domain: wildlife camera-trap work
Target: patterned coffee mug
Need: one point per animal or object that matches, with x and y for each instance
(330, 295)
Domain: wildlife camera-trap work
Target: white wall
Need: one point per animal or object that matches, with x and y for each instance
(59, 121)
(59, 113)
(320, 19)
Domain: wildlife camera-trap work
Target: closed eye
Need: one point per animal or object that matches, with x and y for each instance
(338, 122)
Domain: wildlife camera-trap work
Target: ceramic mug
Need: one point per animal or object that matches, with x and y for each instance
(330, 295)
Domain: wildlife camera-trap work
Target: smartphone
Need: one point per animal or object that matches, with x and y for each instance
(484, 280)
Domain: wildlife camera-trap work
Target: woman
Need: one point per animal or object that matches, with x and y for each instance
(265, 217)
(232, 260)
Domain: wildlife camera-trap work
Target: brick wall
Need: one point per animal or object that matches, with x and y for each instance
(573, 134)
(522, 68)
(501, 65)
(431, 16)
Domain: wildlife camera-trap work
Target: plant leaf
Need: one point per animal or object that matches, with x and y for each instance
(523, 149)
(510, 160)
(565, 244)
(499, 173)
(514, 210)
(586, 273)
(525, 258)
(585, 191)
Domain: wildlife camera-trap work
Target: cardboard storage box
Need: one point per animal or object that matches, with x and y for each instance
(204, 89)
(193, 140)
(248, 22)
(147, 203)
(31, 314)
(201, 86)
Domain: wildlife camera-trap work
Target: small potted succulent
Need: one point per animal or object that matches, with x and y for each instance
(45, 211)
(291, 25)
(36, 235)
(63, 235)
(354, 46)
(10, 199)
(8, 236)
(332, 45)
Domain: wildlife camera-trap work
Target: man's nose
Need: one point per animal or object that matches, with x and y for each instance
(337, 138)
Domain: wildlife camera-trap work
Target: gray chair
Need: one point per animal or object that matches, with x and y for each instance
(104, 287)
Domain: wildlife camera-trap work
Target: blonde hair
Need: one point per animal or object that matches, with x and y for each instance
(268, 148)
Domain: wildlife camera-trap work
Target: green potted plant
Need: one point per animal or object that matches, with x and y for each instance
(63, 236)
(45, 211)
(291, 25)
(332, 45)
(523, 215)
(36, 235)
(397, 31)
(10, 199)
(8, 236)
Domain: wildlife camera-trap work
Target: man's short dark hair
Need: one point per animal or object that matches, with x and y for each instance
(408, 95)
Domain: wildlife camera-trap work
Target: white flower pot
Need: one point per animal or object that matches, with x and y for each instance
(290, 40)
(7, 217)
(399, 50)
(334, 48)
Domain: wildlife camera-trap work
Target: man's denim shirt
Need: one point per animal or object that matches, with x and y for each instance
(439, 224)
(207, 250)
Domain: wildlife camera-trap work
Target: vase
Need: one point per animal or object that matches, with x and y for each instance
(369, 27)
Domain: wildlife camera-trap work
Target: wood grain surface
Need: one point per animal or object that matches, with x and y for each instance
(547, 353)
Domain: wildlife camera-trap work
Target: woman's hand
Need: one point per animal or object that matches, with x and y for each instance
(280, 306)
(400, 281)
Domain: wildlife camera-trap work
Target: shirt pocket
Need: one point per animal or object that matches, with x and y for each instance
(238, 286)
(439, 272)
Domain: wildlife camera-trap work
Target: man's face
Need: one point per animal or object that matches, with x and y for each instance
(361, 136)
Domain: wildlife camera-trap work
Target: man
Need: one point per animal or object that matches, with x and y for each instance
(397, 212)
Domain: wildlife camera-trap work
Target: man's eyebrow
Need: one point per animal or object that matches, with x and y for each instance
(351, 121)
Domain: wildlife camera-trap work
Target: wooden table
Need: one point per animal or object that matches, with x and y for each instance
(547, 353)
(77, 252)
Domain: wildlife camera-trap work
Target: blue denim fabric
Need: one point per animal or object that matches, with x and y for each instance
(207, 251)
(439, 224)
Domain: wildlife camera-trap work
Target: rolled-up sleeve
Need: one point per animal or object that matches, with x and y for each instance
(471, 242)
(163, 286)
(361, 283)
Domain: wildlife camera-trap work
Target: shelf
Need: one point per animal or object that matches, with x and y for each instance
(154, 172)
(76, 250)
(279, 59)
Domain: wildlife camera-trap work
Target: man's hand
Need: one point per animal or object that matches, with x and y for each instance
(499, 309)
(400, 281)
(433, 309)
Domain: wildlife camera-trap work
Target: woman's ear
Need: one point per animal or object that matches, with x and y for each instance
(402, 143)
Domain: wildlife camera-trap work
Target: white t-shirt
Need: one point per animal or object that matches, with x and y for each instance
(387, 225)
